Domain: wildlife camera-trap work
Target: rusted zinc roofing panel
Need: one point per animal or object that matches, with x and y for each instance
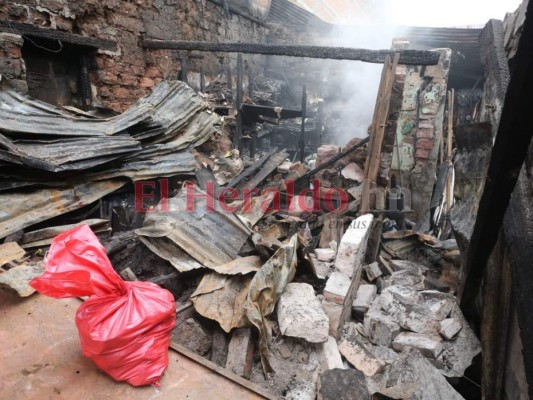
(20, 210)
(172, 104)
(154, 161)
(212, 237)
(67, 153)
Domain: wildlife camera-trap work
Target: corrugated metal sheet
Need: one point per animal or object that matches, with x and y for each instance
(171, 104)
(286, 13)
(23, 209)
(212, 238)
(45, 151)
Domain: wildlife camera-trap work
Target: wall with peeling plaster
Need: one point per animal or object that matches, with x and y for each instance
(420, 129)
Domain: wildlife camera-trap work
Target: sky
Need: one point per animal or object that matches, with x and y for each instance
(448, 13)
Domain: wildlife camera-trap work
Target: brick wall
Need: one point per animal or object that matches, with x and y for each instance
(420, 129)
(123, 76)
(12, 65)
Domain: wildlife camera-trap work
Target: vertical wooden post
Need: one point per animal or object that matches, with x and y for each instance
(302, 131)
(202, 79)
(377, 129)
(238, 104)
(184, 61)
(250, 82)
(229, 79)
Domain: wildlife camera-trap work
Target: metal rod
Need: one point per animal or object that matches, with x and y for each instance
(407, 57)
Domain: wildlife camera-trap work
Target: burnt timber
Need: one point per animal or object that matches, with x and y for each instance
(407, 57)
(44, 33)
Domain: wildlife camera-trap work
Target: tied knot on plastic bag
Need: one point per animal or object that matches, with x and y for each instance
(124, 327)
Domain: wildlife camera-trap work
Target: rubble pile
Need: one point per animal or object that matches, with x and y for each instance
(277, 275)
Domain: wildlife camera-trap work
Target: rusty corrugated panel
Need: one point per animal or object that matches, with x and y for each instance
(212, 237)
(172, 105)
(20, 210)
(154, 161)
(286, 13)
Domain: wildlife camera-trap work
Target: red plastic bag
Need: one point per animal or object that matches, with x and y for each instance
(124, 327)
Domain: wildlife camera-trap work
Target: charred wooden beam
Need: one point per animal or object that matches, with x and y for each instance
(184, 61)
(302, 130)
(333, 160)
(407, 57)
(238, 104)
(52, 34)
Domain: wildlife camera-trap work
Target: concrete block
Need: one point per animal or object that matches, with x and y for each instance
(429, 345)
(329, 355)
(337, 287)
(364, 298)
(353, 244)
(241, 353)
(373, 272)
(360, 357)
(326, 255)
(334, 312)
(301, 315)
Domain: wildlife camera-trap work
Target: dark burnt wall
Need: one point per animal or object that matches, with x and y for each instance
(119, 78)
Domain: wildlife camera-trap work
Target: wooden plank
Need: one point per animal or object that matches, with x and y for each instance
(250, 386)
(379, 122)
(53, 34)
(272, 163)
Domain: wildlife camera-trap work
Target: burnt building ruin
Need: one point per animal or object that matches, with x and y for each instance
(334, 208)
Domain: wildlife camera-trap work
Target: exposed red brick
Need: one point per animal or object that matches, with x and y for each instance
(422, 153)
(426, 144)
(146, 83)
(425, 134)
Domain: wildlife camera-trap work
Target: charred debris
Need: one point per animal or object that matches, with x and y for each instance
(310, 269)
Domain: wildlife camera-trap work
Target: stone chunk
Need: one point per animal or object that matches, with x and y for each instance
(413, 377)
(352, 247)
(300, 314)
(323, 269)
(325, 255)
(409, 315)
(219, 349)
(329, 355)
(18, 278)
(449, 328)
(193, 336)
(353, 172)
(241, 353)
(360, 357)
(342, 384)
(442, 308)
(405, 265)
(364, 298)
(405, 293)
(410, 278)
(336, 315)
(337, 287)
(373, 272)
(380, 328)
(429, 345)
